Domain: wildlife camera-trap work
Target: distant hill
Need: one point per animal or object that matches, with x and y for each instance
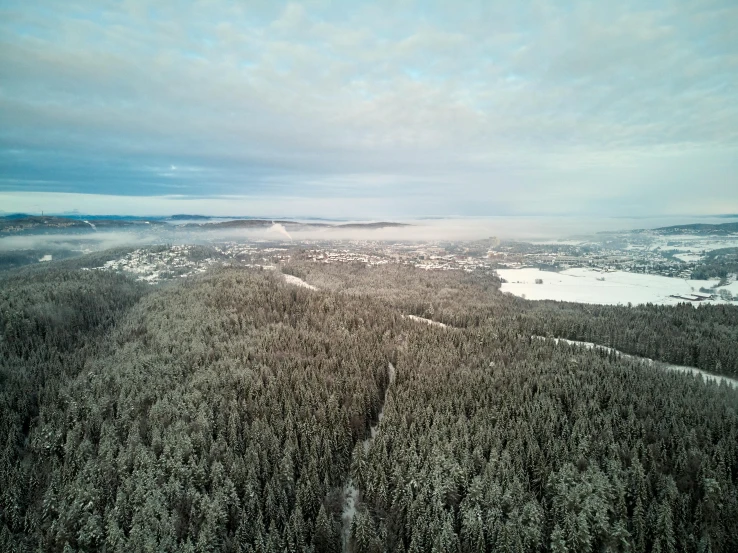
(381, 224)
(43, 224)
(241, 223)
(697, 229)
(21, 223)
(15, 216)
(289, 225)
(185, 217)
(15, 224)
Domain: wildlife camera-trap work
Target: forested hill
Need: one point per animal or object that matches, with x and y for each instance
(704, 336)
(698, 228)
(227, 412)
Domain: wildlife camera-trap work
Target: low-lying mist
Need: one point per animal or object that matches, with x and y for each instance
(102, 240)
(423, 230)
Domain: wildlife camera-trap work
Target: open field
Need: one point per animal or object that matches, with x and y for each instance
(610, 288)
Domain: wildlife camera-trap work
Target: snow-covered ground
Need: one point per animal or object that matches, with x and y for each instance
(610, 288)
(732, 288)
(351, 494)
(689, 243)
(709, 377)
(688, 257)
(558, 242)
(290, 279)
(426, 321)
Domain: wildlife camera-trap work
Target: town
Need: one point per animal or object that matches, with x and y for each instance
(641, 253)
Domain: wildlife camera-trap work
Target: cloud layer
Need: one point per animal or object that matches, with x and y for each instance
(397, 108)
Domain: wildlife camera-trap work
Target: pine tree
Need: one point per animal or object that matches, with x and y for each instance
(325, 538)
(364, 537)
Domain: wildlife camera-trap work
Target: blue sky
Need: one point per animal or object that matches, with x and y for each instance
(376, 109)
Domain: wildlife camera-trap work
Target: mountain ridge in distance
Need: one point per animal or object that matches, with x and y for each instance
(696, 228)
(21, 223)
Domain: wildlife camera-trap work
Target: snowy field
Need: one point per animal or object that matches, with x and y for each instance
(290, 279)
(694, 244)
(688, 257)
(732, 288)
(586, 286)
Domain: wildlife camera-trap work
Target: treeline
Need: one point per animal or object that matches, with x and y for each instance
(456, 298)
(12, 259)
(51, 323)
(226, 413)
(14, 264)
(219, 415)
(491, 443)
(65, 259)
(717, 264)
(704, 336)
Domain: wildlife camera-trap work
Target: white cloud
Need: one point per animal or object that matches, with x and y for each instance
(532, 106)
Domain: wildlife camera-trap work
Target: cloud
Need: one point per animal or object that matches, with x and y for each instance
(99, 241)
(489, 105)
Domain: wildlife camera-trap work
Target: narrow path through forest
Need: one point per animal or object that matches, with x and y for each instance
(732, 382)
(350, 491)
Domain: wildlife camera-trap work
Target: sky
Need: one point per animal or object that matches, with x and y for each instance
(384, 109)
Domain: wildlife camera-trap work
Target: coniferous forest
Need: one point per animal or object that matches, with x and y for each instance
(235, 412)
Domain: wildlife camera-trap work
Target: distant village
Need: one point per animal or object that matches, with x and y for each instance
(664, 256)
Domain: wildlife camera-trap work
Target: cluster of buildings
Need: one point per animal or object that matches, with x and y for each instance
(630, 258)
(431, 256)
(633, 253)
(155, 265)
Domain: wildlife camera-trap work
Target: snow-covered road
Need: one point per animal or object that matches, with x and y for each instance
(709, 377)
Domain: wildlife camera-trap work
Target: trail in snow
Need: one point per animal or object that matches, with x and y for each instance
(373, 429)
(290, 279)
(426, 321)
(650, 362)
(350, 491)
